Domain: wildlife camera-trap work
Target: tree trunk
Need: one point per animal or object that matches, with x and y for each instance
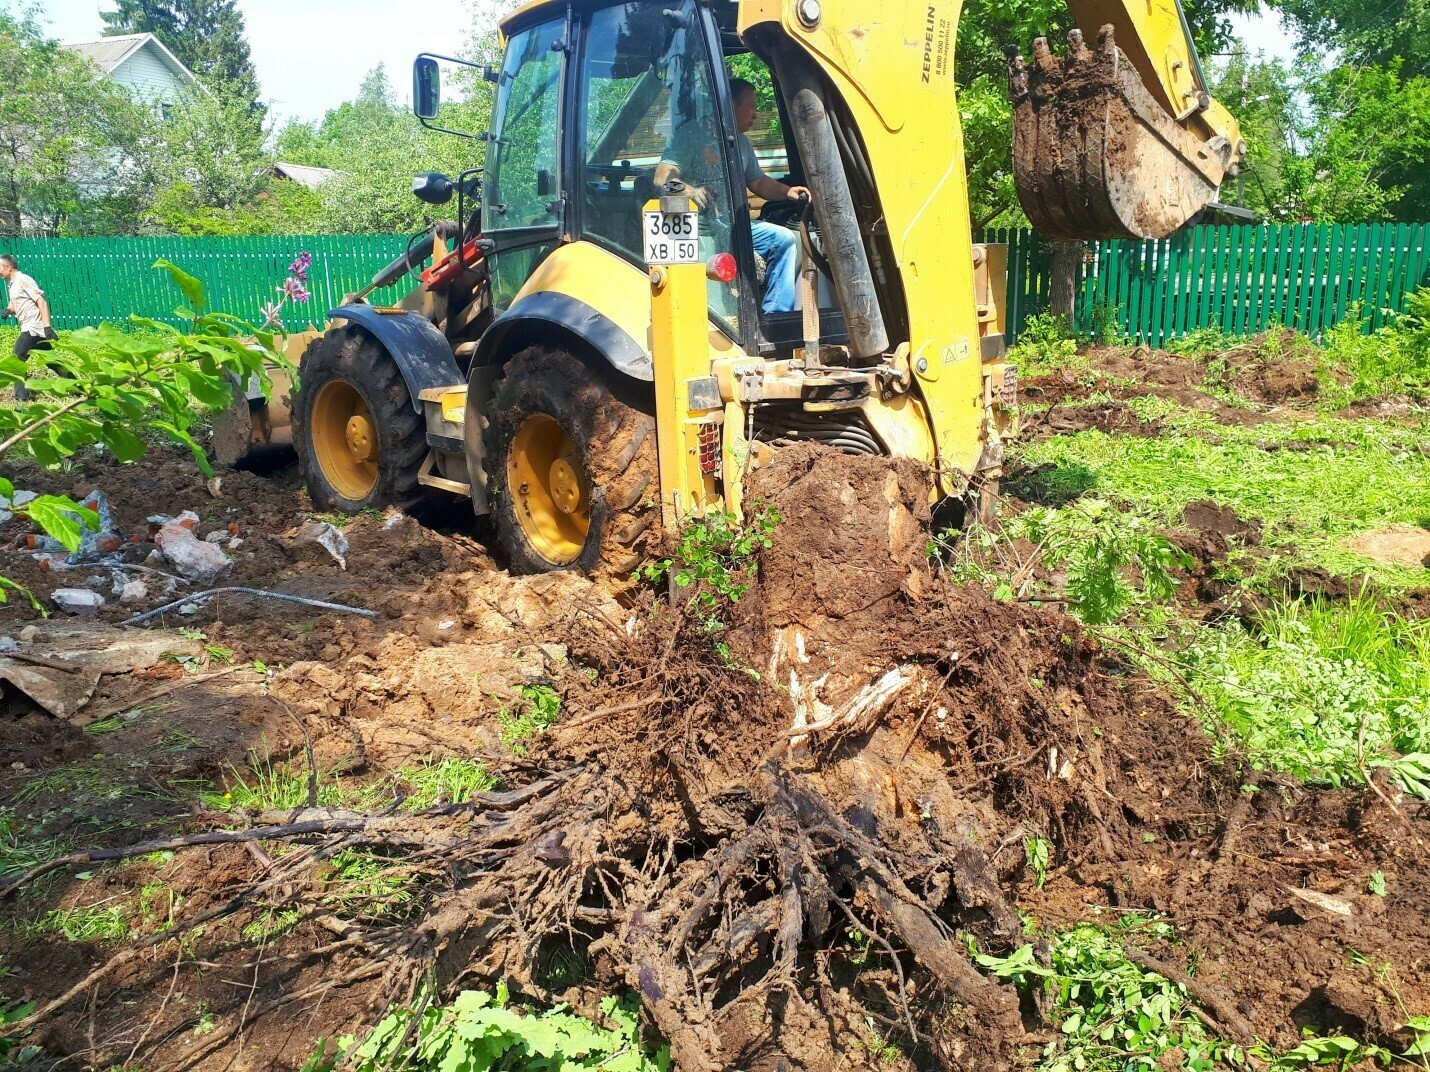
(1062, 290)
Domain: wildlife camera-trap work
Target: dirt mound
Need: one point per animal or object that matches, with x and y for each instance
(1268, 374)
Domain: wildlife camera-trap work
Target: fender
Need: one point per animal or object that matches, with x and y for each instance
(547, 308)
(421, 351)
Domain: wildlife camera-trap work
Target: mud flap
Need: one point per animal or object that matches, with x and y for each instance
(1095, 156)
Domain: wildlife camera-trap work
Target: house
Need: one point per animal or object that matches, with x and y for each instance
(142, 65)
(302, 174)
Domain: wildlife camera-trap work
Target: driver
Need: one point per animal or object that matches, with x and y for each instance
(778, 246)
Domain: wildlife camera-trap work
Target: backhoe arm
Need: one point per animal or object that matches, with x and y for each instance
(1120, 139)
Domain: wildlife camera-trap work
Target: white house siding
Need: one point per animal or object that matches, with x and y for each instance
(147, 76)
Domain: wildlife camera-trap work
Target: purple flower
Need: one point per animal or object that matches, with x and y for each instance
(294, 290)
(299, 268)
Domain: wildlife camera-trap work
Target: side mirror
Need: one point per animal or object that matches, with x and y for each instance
(426, 87)
(433, 188)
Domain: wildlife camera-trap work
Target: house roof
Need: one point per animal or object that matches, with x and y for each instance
(109, 52)
(303, 174)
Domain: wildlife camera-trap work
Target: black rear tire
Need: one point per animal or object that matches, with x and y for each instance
(348, 362)
(610, 442)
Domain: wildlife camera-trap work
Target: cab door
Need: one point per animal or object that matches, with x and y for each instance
(523, 200)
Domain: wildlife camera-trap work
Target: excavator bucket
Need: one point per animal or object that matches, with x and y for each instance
(1095, 156)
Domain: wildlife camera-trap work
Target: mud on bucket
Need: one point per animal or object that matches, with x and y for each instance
(1095, 156)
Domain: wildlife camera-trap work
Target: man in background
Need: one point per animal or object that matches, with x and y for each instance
(29, 307)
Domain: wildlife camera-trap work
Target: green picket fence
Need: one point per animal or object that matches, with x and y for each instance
(1246, 279)
(89, 280)
(1237, 279)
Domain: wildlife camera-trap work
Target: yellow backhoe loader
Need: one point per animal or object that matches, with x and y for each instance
(589, 357)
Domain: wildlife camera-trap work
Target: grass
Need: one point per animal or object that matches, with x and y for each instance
(445, 781)
(19, 853)
(101, 923)
(1324, 480)
(1319, 690)
(268, 785)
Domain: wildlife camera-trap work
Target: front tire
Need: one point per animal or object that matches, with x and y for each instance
(359, 439)
(572, 462)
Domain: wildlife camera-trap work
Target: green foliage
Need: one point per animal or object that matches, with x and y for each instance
(11, 1054)
(370, 885)
(1038, 851)
(1096, 543)
(540, 709)
(1045, 344)
(1113, 1015)
(1339, 478)
(211, 146)
(115, 382)
(270, 786)
(376, 145)
(60, 126)
(1321, 690)
(716, 558)
(452, 780)
(478, 1031)
(1343, 142)
(20, 850)
(1363, 33)
(90, 923)
(1392, 361)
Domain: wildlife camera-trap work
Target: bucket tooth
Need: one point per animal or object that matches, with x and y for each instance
(1017, 73)
(1094, 154)
(1043, 55)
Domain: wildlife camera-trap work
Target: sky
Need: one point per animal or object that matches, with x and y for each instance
(311, 55)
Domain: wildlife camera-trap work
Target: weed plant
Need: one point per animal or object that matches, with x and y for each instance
(1319, 690)
(540, 709)
(1046, 344)
(478, 1030)
(1114, 1016)
(1098, 544)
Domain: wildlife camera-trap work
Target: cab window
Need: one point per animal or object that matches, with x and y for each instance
(522, 171)
(648, 96)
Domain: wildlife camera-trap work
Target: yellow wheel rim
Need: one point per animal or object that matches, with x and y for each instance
(550, 492)
(345, 440)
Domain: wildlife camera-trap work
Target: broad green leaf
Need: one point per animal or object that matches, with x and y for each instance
(192, 289)
(7, 489)
(122, 443)
(62, 518)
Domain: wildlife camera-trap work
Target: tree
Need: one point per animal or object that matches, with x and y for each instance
(64, 132)
(211, 144)
(1342, 143)
(207, 36)
(376, 147)
(1364, 31)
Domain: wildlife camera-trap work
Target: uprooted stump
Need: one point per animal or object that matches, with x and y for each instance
(711, 837)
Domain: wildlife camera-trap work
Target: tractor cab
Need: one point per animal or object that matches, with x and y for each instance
(596, 108)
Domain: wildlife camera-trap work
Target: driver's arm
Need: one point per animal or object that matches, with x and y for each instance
(774, 190)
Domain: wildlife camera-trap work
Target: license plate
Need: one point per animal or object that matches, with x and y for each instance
(672, 238)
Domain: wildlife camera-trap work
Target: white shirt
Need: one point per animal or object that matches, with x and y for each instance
(25, 295)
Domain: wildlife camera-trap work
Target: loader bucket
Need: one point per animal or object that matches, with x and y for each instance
(1095, 156)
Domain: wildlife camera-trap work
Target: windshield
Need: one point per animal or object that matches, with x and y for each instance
(651, 113)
